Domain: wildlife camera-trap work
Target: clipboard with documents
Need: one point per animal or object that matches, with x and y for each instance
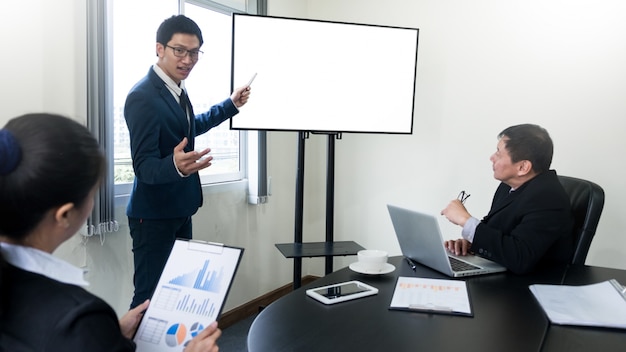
(431, 296)
(601, 305)
(190, 294)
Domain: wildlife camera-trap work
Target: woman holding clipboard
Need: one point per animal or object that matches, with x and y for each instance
(50, 170)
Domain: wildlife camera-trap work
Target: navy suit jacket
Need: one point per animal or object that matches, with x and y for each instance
(528, 228)
(156, 124)
(42, 314)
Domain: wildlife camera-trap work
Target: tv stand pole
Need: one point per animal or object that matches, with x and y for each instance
(299, 214)
(330, 196)
(329, 248)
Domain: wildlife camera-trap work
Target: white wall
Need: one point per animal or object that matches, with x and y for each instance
(482, 66)
(47, 70)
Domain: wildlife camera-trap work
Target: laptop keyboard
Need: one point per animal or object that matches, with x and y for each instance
(458, 265)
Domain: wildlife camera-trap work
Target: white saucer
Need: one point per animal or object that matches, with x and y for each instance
(386, 269)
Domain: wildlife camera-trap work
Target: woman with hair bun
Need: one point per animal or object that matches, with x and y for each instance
(50, 169)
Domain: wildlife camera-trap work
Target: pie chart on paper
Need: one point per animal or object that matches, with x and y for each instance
(175, 335)
(195, 329)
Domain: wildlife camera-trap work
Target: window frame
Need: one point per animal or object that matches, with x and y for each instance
(207, 180)
(100, 114)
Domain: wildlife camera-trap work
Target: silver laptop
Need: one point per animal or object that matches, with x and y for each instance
(421, 241)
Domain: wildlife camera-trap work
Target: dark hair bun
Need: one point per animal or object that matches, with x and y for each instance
(10, 152)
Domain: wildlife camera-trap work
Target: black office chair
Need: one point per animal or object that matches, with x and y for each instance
(587, 199)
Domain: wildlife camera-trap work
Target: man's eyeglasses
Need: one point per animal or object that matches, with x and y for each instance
(181, 52)
(463, 196)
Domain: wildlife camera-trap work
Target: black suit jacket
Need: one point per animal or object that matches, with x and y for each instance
(42, 314)
(528, 228)
(156, 124)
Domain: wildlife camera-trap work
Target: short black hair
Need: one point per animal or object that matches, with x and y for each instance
(177, 24)
(60, 163)
(529, 142)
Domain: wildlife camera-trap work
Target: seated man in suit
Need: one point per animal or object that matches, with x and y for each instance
(530, 223)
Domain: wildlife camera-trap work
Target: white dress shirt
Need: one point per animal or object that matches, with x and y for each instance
(40, 262)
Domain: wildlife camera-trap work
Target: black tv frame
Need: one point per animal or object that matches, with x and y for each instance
(377, 95)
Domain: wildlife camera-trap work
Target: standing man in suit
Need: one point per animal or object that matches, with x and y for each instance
(162, 125)
(530, 223)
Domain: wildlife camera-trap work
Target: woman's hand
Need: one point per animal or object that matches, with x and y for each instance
(206, 340)
(130, 321)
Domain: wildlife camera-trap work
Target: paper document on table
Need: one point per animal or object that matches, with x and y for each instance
(602, 304)
(431, 295)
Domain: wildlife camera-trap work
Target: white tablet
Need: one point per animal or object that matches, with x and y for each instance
(341, 292)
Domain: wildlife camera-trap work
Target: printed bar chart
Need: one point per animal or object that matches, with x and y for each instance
(202, 279)
(189, 305)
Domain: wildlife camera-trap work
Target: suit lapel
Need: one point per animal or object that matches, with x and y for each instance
(177, 113)
(502, 199)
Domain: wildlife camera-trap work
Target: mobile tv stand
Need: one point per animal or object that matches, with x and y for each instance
(329, 248)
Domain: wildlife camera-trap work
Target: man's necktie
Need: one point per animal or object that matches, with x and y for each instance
(184, 101)
(184, 104)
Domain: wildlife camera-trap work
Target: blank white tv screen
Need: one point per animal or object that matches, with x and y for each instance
(323, 76)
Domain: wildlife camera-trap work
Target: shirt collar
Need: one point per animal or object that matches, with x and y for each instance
(171, 85)
(40, 262)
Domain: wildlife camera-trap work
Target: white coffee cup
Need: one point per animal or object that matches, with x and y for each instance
(372, 260)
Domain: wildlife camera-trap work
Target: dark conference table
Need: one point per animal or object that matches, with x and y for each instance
(506, 317)
(575, 339)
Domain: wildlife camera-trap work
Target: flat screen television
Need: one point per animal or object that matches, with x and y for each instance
(323, 76)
